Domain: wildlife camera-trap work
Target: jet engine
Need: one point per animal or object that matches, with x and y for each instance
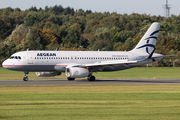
(47, 74)
(76, 72)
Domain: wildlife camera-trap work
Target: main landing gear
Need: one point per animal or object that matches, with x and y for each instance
(71, 79)
(26, 76)
(91, 78)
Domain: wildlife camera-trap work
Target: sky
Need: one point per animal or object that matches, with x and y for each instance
(149, 7)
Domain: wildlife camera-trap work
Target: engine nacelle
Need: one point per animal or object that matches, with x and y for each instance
(76, 72)
(47, 74)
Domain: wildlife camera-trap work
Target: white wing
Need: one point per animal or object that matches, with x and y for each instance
(109, 63)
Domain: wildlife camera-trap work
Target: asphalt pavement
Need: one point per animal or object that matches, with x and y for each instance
(52, 82)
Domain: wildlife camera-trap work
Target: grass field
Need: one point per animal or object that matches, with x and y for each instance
(107, 102)
(93, 102)
(134, 73)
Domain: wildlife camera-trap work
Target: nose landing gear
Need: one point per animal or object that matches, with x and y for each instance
(26, 76)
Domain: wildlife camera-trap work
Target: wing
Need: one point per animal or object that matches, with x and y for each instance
(109, 63)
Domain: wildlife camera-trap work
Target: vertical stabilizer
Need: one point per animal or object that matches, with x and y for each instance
(148, 41)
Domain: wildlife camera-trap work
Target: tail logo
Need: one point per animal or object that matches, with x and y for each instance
(147, 43)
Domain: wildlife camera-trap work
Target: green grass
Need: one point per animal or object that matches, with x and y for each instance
(142, 73)
(134, 73)
(107, 102)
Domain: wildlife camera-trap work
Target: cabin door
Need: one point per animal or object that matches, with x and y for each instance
(30, 58)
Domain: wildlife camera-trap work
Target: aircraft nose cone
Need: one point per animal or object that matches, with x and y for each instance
(5, 64)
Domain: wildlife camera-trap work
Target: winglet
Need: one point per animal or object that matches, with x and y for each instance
(57, 49)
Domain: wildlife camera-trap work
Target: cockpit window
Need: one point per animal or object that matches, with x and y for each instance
(12, 57)
(15, 57)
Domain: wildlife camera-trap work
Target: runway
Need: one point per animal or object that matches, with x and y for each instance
(53, 82)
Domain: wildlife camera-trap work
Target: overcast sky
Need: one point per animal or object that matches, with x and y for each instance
(152, 7)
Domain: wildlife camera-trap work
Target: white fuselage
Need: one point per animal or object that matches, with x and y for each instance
(34, 61)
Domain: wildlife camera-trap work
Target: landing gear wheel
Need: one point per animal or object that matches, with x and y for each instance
(25, 79)
(71, 79)
(91, 78)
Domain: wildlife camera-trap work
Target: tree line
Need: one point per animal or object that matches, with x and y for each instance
(51, 27)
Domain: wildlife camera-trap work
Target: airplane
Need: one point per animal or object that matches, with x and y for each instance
(80, 64)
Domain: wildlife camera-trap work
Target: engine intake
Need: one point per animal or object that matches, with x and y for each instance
(47, 74)
(76, 72)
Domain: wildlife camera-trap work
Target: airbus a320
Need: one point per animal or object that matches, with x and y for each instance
(79, 64)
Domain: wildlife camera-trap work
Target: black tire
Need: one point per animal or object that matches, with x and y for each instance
(91, 78)
(71, 79)
(25, 79)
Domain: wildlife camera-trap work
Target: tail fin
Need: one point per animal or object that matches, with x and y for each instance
(148, 41)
